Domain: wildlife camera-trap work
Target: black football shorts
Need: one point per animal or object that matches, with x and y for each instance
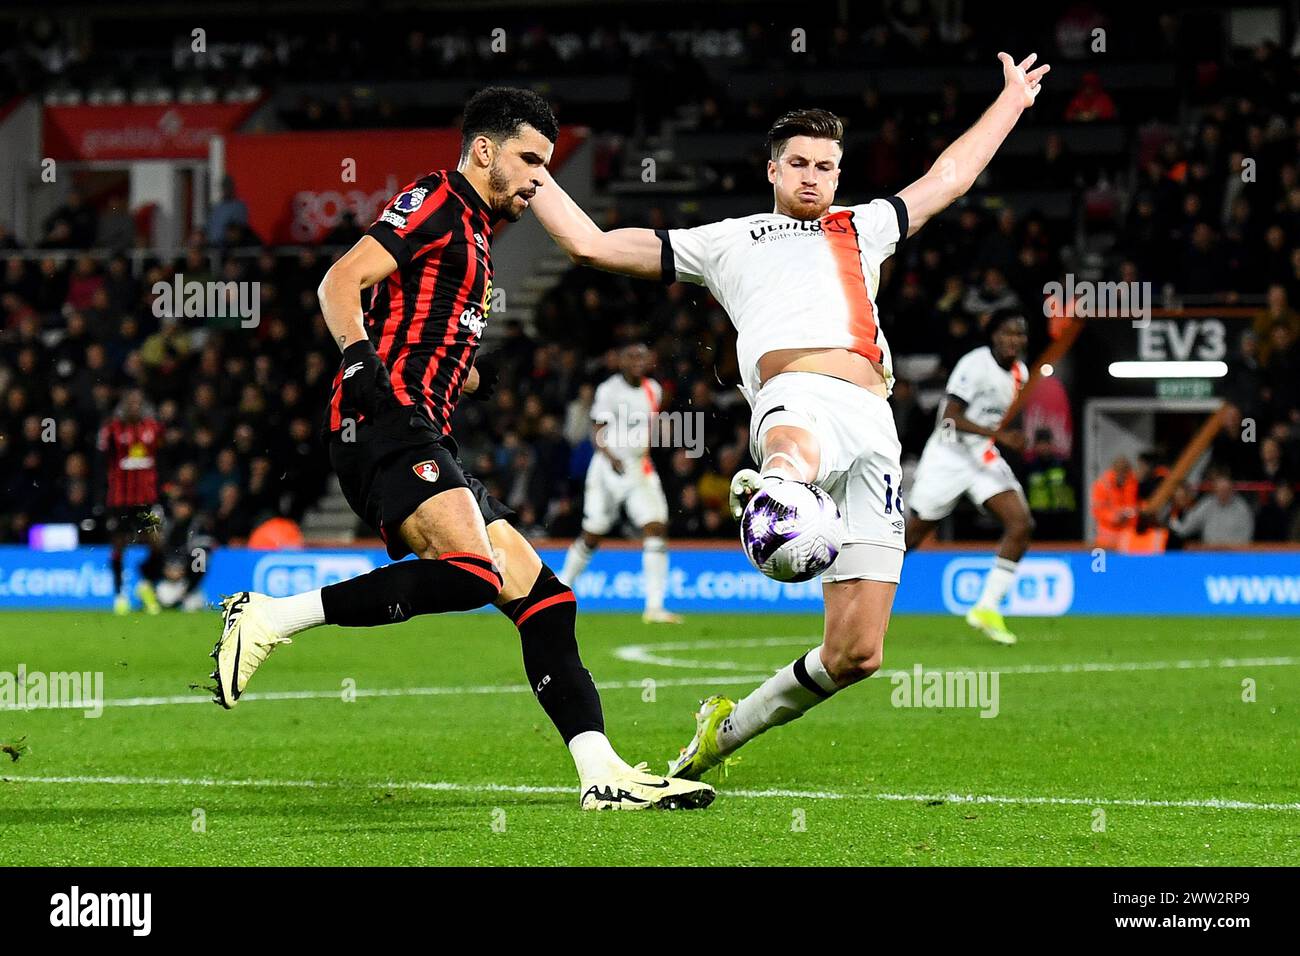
(395, 463)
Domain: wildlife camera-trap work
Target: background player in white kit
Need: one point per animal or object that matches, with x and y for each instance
(621, 477)
(799, 285)
(962, 458)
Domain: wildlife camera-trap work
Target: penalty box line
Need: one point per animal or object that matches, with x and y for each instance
(1211, 803)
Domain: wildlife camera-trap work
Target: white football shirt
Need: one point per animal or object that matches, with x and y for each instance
(988, 390)
(791, 283)
(629, 413)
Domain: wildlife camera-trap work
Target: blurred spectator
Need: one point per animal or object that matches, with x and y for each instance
(1278, 519)
(116, 227)
(1049, 490)
(1278, 310)
(229, 212)
(1115, 503)
(72, 225)
(1091, 103)
(992, 295)
(1221, 518)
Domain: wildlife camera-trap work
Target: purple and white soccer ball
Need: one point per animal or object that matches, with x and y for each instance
(791, 531)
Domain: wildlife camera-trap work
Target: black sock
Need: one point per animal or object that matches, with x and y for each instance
(151, 568)
(395, 592)
(547, 619)
(116, 563)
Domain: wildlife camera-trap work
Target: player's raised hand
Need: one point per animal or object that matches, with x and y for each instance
(1019, 80)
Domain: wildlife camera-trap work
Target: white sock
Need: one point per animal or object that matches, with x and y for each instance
(654, 570)
(787, 694)
(289, 615)
(594, 757)
(997, 583)
(575, 562)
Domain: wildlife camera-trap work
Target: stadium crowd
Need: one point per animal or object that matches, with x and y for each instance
(240, 406)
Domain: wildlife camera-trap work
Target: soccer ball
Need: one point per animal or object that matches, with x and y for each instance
(791, 531)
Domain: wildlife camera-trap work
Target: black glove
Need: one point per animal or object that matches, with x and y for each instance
(366, 386)
(488, 375)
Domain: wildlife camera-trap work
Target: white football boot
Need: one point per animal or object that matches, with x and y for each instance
(638, 789)
(661, 616)
(247, 639)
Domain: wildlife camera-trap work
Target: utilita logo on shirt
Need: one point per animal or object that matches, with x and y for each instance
(836, 223)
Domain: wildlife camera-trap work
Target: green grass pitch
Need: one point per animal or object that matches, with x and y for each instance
(1117, 741)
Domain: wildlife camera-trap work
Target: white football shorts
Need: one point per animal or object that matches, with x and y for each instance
(637, 491)
(948, 470)
(859, 466)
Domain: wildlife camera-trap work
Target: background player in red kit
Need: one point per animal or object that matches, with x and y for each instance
(406, 362)
(130, 441)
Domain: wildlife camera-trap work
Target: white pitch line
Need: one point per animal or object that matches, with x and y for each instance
(721, 680)
(1212, 803)
(646, 654)
(1106, 667)
(197, 698)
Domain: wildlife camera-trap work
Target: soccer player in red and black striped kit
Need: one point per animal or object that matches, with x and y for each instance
(129, 442)
(406, 363)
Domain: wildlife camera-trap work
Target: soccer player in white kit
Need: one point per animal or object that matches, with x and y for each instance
(799, 285)
(962, 458)
(621, 477)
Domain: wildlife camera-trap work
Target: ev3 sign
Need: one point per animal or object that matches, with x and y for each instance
(1044, 587)
(1164, 340)
(280, 575)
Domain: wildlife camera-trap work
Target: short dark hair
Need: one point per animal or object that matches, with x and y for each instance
(1001, 317)
(498, 112)
(819, 124)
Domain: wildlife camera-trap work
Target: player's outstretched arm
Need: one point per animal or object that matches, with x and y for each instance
(366, 385)
(954, 410)
(339, 293)
(634, 252)
(958, 166)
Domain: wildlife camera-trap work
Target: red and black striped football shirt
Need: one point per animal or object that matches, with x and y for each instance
(427, 317)
(132, 452)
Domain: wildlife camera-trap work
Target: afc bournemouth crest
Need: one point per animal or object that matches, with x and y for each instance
(428, 470)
